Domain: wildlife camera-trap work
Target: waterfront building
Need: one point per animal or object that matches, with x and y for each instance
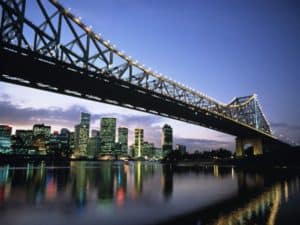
(85, 119)
(41, 131)
(148, 150)
(108, 135)
(82, 135)
(41, 136)
(81, 140)
(158, 153)
(167, 139)
(123, 139)
(181, 149)
(138, 142)
(23, 141)
(5, 138)
(93, 147)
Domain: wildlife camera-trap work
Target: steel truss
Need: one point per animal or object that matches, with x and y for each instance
(89, 52)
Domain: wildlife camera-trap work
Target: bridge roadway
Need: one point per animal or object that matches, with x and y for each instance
(23, 67)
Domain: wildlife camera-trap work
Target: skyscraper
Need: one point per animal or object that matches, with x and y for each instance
(138, 142)
(167, 139)
(41, 136)
(123, 139)
(85, 120)
(108, 135)
(82, 135)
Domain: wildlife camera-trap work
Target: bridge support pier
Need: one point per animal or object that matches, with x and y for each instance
(255, 142)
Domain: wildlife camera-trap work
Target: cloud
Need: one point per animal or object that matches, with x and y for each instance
(14, 114)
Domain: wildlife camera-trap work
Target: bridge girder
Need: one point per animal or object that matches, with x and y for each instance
(87, 53)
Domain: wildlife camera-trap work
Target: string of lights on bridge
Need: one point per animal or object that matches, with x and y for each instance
(88, 28)
(285, 138)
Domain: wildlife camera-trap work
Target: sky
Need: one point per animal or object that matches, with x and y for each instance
(221, 48)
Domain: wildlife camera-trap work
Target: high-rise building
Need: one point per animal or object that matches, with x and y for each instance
(93, 147)
(41, 131)
(108, 135)
(41, 136)
(123, 139)
(85, 120)
(167, 139)
(23, 142)
(138, 142)
(81, 138)
(5, 138)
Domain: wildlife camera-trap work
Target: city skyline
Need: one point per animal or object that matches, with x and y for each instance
(91, 133)
(264, 62)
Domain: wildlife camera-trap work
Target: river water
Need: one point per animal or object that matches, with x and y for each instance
(146, 193)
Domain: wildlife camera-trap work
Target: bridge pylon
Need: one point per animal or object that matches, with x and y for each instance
(255, 142)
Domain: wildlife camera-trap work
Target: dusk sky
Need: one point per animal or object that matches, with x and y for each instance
(221, 48)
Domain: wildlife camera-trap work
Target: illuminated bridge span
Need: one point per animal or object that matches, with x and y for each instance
(56, 51)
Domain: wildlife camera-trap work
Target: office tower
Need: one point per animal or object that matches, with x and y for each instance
(85, 120)
(41, 136)
(41, 131)
(167, 139)
(138, 142)
(5, 138)
(23, 142)
(108, 135)
(81, 138)
(93, 147)
(123, 139)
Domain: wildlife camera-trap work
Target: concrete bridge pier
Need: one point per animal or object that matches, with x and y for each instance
(255, 142)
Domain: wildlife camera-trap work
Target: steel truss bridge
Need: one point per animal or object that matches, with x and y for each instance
(57, 52)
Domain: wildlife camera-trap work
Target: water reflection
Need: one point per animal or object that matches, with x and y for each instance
(102, 189)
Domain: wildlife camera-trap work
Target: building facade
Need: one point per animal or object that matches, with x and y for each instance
(138, 142)
(81, 138)
(167, 139)
(123, 139)
(41, 136)
(108, 135)
(5, 139)
(23, 141)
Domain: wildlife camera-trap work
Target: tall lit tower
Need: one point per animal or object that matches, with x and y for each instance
(108, 135)
(123, 138)
(82, 131)
(138, 142)
(167, 139)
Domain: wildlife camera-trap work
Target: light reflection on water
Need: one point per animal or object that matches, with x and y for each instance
(139, 193)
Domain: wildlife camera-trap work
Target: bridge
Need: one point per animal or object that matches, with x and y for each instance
(57, 52)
